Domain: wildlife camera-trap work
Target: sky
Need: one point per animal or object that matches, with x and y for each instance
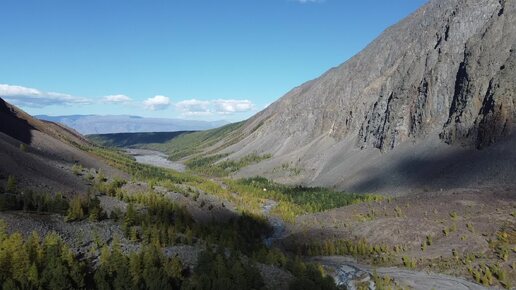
(190, 59)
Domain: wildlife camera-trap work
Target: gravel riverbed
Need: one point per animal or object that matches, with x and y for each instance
(155, 158)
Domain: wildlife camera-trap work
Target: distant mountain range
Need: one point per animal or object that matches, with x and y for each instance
(96, 124)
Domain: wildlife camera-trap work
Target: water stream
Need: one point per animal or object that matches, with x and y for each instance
(155, 158)
(278, 225)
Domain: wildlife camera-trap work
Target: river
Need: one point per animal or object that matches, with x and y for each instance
(155, 158)
(347, 272)
(278, 225)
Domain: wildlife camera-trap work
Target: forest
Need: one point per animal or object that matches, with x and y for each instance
(232, 249)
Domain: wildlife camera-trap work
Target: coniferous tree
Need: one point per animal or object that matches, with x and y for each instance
(11, 184)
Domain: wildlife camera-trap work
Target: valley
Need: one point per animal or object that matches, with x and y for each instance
(406, 225)
(393, 170)
(139, 197)
(349, 273)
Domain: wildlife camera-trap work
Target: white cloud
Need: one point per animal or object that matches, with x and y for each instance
(232, 106)
(156, 103)
(30, 97)
(195, 107)
(113, 99)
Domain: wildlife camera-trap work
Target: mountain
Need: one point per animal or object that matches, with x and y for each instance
(123, 140)
(40, 154)
(429, 104)
(96, 124)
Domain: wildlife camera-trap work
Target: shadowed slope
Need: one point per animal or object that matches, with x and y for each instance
(44, 163)
(12, 125)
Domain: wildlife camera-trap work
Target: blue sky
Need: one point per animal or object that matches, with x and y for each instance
(209, 59)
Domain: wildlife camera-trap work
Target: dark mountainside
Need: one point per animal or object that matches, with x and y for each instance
(40, 154)
(429, 104)
(132, 139)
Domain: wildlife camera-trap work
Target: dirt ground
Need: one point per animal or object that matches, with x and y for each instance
(467, 221)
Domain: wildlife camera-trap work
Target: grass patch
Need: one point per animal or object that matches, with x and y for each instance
(134, 139)
(193, 143)
(211, 166)
(296, 200)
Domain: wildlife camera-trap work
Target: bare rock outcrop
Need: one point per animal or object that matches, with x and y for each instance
(444, 74)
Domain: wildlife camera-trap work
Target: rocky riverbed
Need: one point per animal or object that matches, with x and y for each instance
(348, 273)
(155, 158)
(278, 225)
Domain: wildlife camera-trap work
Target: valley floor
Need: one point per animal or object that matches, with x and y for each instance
(155, 158)
(346, 271)
(459, 223)
(365, 241)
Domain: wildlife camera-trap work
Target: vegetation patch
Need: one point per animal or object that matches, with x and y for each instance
(301, 199)
(34, 202)
(193, 143)
(135, 139)
(212, 166)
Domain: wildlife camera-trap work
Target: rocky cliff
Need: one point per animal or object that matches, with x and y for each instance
(443, 79)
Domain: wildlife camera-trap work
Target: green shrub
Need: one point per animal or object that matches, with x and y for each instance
(38, 264)
(77, 169)
(212, 166)
(384, 283)
(408, 262)
(76, 211)
(89, 175)
(11, 184)
(31, 201)
(9, 201)
(398, 211)
(81, 206)
(23, 147)
(110, 188)
(429, 240)
(216, 270)
(101, 177)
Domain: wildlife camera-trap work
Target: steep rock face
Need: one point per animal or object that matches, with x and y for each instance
(483, 108)
(403, 86)
(446, 73)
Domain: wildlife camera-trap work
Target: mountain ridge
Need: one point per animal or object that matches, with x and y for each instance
(109, 124)
(40, 154)
(442, 79)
